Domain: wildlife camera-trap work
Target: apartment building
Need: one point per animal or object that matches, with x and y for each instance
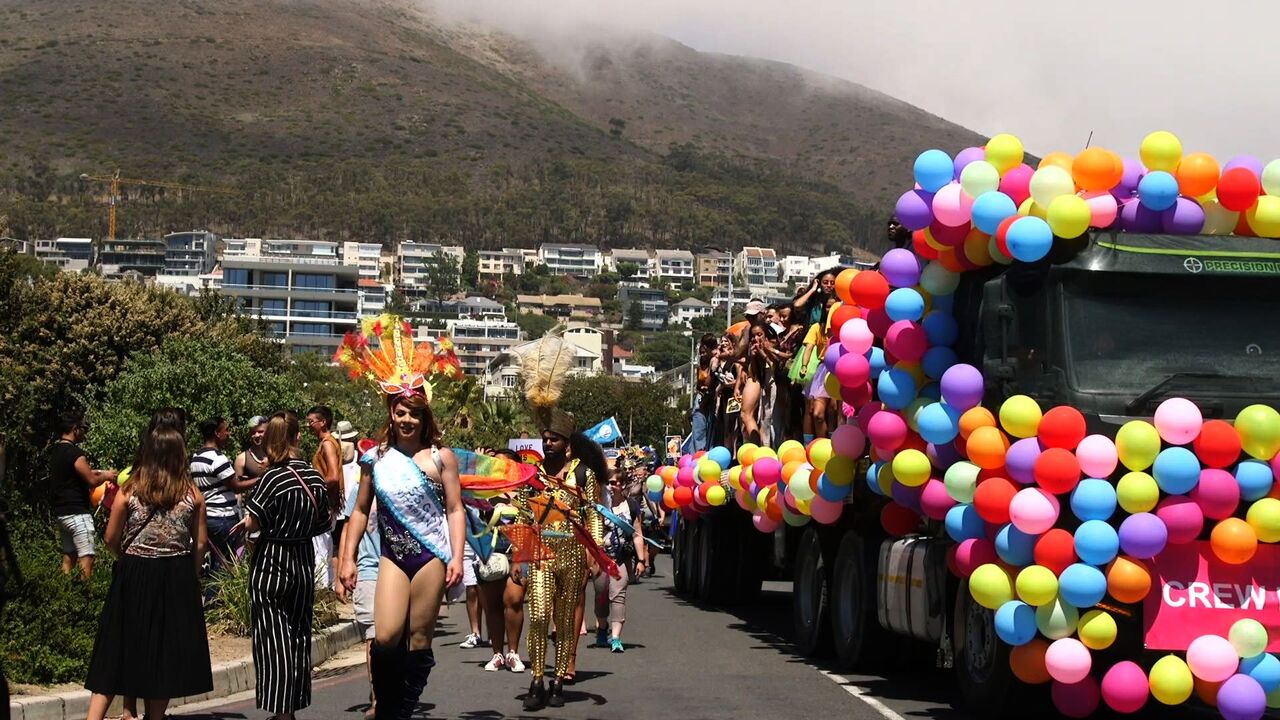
(688, 310)
(650, 302)
(577, 307)
(373, 296)
(497, 264)
(190, 254)
(127, 257)
(479, 342)
(675, 266)
(646, 265)
(502, 375)
(757, 266)
(67, 254)
(480, 308)
(583, 261)
(795, 269)
(416, 261)
(366, 257)
(714, 269)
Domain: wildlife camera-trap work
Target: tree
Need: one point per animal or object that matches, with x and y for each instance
(471, 268)
(534, 325)
(628, 270)
(443, 277)
(642, 406)
(664, 350)
(635, 315)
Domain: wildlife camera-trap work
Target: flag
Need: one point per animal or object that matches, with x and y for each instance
(606, 431)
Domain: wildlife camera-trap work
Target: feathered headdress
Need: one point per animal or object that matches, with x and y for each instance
(543, 370)
(397, 365)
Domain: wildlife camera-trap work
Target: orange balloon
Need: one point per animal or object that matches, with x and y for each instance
(974, 418)
(669, 498)
(1095, 169)
(920, 243)
(1234, 541)
(1061, 159)
(1128, 580)
(97, 494)
(790, 469)
(1027, 662)
(773, 507)
(842, 284)
(795, 453)
(668, 473)
(986, 447)
(1197, 174)
(948, 259)
(1207, 691)
(977, 248)
(933, 242)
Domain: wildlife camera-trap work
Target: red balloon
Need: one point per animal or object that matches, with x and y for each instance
(1057, 471)
(1056, 550)
(683, 495)
(877, 320)
(947, 235)
(842, 315)
(1062, 427)
(898, 520)
(922, 246)
(974, 553)
(869, 289)
(856, 396)
(1238, 189)
(1002, 234)
(1218, 444)
(992, 499)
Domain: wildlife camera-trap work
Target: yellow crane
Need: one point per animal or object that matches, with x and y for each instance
(116, 181)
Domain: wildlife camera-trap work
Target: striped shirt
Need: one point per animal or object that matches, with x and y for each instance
(211, 470)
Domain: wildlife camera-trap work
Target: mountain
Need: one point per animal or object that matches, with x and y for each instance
(375, 119)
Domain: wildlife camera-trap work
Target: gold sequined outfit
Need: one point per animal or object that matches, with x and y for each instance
(554, 584)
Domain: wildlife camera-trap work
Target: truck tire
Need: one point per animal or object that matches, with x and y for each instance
(679, 559)
(981, 660)
(693, 559)
(853, 602)
(811, 596)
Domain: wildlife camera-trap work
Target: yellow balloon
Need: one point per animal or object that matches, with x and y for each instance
(885, 479)
(1037, 585)
(1050, 183)
(1217, 219)
(990, 586)
(1264, 518)
(735, 478)
(1137, 444)
(1097, 629)
(716, 495)
(911, 467)
(1171, 681)
(1069, 216)
(1264, 217)
(1137, 492)
(1020, 416)
(819, 453)
(841, 470)
(1161, 150)
(765, 452)
(1005, 152)
(1259, 428)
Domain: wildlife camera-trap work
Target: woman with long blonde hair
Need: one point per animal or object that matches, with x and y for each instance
(151, 638)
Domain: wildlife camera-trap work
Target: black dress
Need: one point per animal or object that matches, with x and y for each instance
(151, 638)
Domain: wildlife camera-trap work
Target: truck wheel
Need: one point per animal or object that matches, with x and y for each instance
(679, 557)
(693, 559)
(853, 594)
(981, 660)
(810, 597)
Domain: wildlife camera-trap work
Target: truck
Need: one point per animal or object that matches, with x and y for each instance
(1111, 324)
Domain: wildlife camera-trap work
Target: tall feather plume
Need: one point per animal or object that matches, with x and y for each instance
(543, 371)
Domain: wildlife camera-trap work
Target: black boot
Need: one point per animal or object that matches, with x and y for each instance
(417, 668)
(536, 698)
(555, 695)
(387, 666)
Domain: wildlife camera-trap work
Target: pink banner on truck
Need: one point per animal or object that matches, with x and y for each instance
(1194, 593)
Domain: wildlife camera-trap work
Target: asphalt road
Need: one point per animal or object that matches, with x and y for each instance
(682, 661)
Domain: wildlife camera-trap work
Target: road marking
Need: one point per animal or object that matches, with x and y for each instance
(862, 695)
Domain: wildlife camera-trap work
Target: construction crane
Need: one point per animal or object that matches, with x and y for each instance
(116, 181)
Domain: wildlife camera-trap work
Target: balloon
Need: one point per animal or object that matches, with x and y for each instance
(1055, 550)
(938, 280)
(820, 452)
(1241, 698)
(1130, 177)
(1178, 421)
(979, 177)
(1271, 178)
(1004, 151)
(897, 520)
(1049, 183)
(1125, 688)
(1096, 169)
(1217, 493)
(720, 456)
(1248, 637)
(1137, 492)
(1033, 511)
(1161, 150)
(974, 418)
(1096, 543)
(1143, 535)
(962, 523)
(914, 210)
(1185, 217)
(1057, 471)
(1128, 581)
(1020, 416)
(933, 169)
(1097, 456)
(764, 523)
(1068, 660)
(767, 471)
(986, 447)
(825, 512)
(1218, 444)
(789, 451)
(1138, 218)
(1062, 427)
(708, 470)
(869, 289)
(1182, 518)
(1212, 658)
(1027, 662)
(1069, 216)
(716, 495)
(852, 370)
(952, 206)
(965, 157)
(1082, 585)
(1037, 585)
(848, 440)
(1097, 629)
(896, 388)
(900, 267)
(904, 304)
(990, 209)
(654, 484)
(1016, 183)
(938, 423)
(1233, 541)
(1259, 428)
(1255, 479)
(911, 467)
(1092, 499)
(936, 361)
(1015, 547)
(1171, 680)
(990, 586)
(1057, 619)
(1197, 174)
(1264, 518)
(856, 337)
(1176, 470)
(973, 554)
(1020, 460)
(992, 499)
(1238, 189)
(1015, 622)
(961, 480)
(1263, 667)
(1103, 209)
(1137, 444)
(962, 386)
(1217, 219)
(1157, 191)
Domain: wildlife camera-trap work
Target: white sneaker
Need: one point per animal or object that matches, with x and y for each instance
(513, 662)
(496, 663)
(473, 640)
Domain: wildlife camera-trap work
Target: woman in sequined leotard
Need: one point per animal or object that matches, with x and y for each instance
(420, 523)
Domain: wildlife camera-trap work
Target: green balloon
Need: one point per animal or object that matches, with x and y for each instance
(961, 481)
(1056, 619)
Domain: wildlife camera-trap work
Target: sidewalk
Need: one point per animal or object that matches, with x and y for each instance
(228, 679)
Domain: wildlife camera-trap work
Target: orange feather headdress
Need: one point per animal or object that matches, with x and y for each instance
(397, 365)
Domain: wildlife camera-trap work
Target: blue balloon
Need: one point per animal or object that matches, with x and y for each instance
(937, 360)
(1255, 479)
(933, 391)
(945, 303)
(1093, 499)
(1016, 547)
(1082, 586)
(1016, 623)
(1158, 190)
(873, 477)
(875, 358)
(904, 304)
(1177, 470)
(831, 491)
(720, 455)
(896, 388)
(1029, 239)
(941, 328)
(938, 423)
(964, 523)
(933, 169)
(1097, 542)
(654, 496)
(1265, 668)
(990, 209)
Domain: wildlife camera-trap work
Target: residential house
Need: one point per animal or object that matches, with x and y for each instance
(416, 261)
(190, 254)
(583, 261)
(497, 264)
(795, 270)
(643, 260)
(757, 266)
(576, 307)
(367, 257)
(479, 342)
(131, 258)
(675, 266)
(481, 308)
(67, 254)
(714, 269)
(502, 375)
(651, 303)
(688, 310)
(373, 296)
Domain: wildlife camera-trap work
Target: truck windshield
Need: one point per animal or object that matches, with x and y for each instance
(1126, 332)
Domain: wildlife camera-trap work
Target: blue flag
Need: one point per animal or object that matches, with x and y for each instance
(605, 432)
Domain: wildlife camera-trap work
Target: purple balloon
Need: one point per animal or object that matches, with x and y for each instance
(1137, 218)
(962, 386)
(834, 351)
(915, 209)
(1020, 460)
(967, 156)
(907, 496)
(943, 456)
(1143, 535)
(1128, 185)
(1186, 217)
(900, 267)
(1245, 161)
(1241, 697)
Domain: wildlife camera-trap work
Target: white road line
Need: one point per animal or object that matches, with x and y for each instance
(862, 695)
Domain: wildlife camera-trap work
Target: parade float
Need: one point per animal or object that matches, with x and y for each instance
(1060, 443)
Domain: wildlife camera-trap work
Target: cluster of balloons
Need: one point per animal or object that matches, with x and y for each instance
(986, 205)
(693, 483)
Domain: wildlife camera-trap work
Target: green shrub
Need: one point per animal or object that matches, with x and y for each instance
(228, 611)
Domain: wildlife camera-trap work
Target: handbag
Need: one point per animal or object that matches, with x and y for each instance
(496, 567)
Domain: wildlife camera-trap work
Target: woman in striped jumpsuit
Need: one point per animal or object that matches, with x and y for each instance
(288, 508)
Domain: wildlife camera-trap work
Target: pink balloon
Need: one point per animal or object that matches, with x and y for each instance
(974, 553)
(1178, 421)
(887, 430)
(1182, 517)
(1212, 658)
(1097, 456)
(1103, 208)
(825, 511)
(1077, 700)
(906, 340)
(1034, 511)
(934, 500)
(866, 412)
(766, 471)
(1068, 660)
(1125, 688)
(852, 369)
(856, 336)
(848, 440)
(952, 206)
(1217, 494)
(1016, 183)
(764, 523)
(685, 476)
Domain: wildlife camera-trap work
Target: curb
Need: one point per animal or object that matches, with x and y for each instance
(228, 679)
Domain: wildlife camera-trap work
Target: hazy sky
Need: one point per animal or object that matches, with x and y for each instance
(1048, 72)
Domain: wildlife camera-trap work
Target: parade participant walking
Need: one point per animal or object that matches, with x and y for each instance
(420, 515)
(252, 463)
(502, 598)
(288, 508)
(624, 542)
(216, 478)
(151, 639)
(367, 553)
(71, 480)
(328, 462)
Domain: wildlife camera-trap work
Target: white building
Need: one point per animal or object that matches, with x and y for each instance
(479, 342)
(675, 266)
(584, 261)
(67, 254)
(373, 296)
(646, 265)
(796, 269)
(628, 371)
(688, 310)
(757, 266)
(366, 257)
(415, 261)
(190, 253)
(241, 247)
(502, 375)
(497, 264)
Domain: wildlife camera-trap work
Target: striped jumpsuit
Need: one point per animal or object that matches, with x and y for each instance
(282, 583)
